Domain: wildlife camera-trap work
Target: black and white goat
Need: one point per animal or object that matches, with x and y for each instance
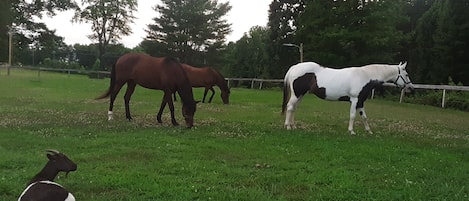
(42, 186)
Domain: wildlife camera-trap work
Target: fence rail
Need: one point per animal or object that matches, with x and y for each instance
(98, 74)
(253, 81)
(443, 88)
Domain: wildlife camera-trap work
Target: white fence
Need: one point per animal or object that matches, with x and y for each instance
(253, 81)
(98, 74)
(443, 88)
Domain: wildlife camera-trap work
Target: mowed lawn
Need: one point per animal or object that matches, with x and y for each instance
(235, 152)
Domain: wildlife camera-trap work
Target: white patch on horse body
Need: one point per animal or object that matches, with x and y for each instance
(70, 197)
(353, 83)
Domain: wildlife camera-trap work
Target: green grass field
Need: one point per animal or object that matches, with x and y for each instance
(235, 152)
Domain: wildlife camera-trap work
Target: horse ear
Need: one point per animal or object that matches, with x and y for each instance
(403, 65)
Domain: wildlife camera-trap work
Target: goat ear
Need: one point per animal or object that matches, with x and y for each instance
(50, 156)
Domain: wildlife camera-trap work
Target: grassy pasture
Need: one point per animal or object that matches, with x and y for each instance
(235, 152)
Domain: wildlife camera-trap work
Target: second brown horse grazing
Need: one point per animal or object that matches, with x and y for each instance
(164, 74)
(207, 77)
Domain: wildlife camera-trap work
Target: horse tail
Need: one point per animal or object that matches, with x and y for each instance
(286, 93)
(111, 85)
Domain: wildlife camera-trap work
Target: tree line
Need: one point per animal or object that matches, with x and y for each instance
(432, 35)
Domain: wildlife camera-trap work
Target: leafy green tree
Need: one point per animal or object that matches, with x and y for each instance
(442, 37)
(87, 55)
(283, 25)
(352, 32)
(6, 19)
(29, 36)
(109, 21)
(413, 10)
(33, 49)
(248, 57)
(188, 30)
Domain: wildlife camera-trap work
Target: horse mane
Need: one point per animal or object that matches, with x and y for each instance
(184, 90)
(170, 60)
(384, 70)
(221, 82)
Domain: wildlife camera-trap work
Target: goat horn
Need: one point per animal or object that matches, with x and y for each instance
(53, 151)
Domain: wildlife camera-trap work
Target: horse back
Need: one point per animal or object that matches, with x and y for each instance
(200, 77)
(326, 83)
(150, 72)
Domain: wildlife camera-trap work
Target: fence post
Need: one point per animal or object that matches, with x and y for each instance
(252, 84)
(402, 95)
(443, 99)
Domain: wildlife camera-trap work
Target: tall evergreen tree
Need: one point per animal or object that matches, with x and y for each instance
(352, 32)
(189, 30)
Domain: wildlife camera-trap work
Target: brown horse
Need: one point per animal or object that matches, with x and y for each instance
(164, 74)
(207, 77)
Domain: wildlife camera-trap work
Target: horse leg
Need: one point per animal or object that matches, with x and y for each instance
(211, 97)
(205, 94)
(167, 96)
(290, 115)
(160, 112)
(353, 110)
(174, 97)
(113, 96)
(130, 90)
(365, 119)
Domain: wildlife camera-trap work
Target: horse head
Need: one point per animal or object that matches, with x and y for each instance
(188, 111)
(225, 96)
(403, 79)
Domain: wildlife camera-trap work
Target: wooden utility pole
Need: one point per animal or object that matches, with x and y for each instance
(10, 46)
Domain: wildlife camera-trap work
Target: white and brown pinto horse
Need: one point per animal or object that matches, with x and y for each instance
(352, 84)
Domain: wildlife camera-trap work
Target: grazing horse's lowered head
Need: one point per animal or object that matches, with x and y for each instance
(207, 77)
(353, 84)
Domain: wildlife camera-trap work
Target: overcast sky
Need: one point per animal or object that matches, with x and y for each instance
(243, 15)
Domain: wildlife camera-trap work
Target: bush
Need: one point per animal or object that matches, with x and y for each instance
(458, 100)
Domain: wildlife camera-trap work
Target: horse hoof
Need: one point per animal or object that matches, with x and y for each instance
(352, 132)
(370, 132)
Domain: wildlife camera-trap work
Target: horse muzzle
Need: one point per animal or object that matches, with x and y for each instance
(409, 88)
(189, 122)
